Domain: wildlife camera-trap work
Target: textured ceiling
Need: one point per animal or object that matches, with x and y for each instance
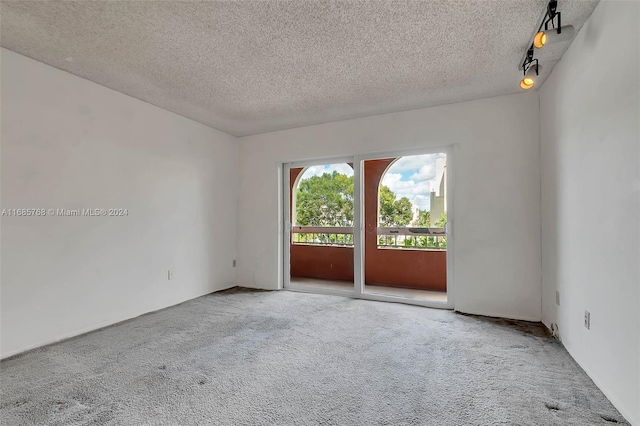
(248, 67)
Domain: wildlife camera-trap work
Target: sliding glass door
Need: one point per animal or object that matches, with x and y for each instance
(374, 227)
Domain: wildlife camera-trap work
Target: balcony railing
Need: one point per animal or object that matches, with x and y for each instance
(412, 238)
(398, 237)
(322, 235)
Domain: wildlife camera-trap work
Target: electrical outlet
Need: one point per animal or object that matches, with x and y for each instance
(557, 298)
(169, 275)
(234, 263)
(587, 320)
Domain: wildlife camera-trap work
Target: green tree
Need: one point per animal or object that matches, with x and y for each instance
(439, 241)
(441, 222)
(424, 219)
(394, 212)
(325, 200)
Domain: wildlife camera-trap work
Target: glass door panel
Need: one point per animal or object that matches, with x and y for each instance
(320, 228)
(405, 214)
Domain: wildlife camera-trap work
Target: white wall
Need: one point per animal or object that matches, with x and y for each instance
(70, 143)
(496, 195)
(590, 147)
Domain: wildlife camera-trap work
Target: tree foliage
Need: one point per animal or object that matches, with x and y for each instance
(424, 219)
(394, 212)
(325, 200)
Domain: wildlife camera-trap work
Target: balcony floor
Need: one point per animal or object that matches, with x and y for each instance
(432, 296)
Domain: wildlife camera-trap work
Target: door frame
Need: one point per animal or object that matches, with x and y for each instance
(358, 224)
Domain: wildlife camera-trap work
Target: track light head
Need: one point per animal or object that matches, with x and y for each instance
(553, 35)
(530, 76)
(540, 39)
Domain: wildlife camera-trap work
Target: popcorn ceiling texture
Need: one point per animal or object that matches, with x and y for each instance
(260, 358)
(249, 67)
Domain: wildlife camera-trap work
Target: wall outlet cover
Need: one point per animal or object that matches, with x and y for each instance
(587, 320)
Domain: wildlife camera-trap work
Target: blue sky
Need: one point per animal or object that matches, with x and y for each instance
(410, 176)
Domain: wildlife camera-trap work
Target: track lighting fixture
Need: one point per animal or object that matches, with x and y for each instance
(550, 30)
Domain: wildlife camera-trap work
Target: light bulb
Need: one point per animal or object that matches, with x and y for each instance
(551, 36)
(540, 39)
(530, 77)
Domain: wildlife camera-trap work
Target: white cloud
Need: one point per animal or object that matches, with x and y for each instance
(343, 168)
(426, 172)
(413, 162)
(395, 183)
(421, 201)
(416, 192)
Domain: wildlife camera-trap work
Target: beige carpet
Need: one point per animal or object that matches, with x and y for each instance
(260, 358)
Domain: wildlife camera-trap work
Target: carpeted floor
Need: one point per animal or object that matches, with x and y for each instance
(258, 358)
